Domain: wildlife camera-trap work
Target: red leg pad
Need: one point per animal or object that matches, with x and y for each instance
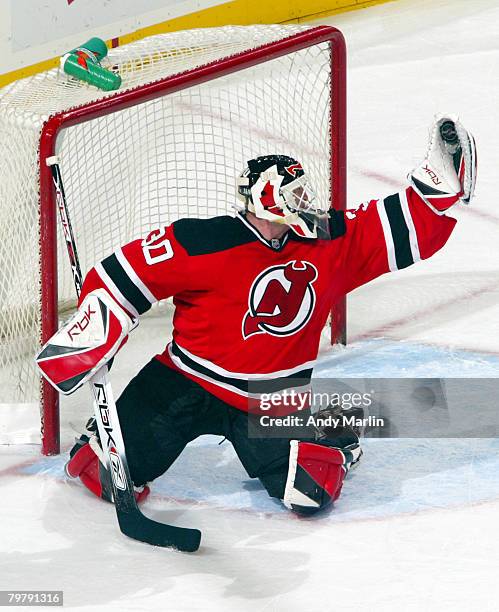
(86, 466)
(315, 476)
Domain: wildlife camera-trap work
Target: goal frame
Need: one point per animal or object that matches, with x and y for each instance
(50, 420)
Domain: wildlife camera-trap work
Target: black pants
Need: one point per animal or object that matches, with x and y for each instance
(161, 411)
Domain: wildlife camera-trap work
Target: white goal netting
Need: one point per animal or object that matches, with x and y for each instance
(128, 171)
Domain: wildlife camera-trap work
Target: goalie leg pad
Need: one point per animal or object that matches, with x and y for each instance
(85, 343)
(86, 463)
(315, 476)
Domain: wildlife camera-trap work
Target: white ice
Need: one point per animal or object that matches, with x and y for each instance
(417, 525)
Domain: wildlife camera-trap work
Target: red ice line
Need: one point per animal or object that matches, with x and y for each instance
(428, 310)
(431, 309)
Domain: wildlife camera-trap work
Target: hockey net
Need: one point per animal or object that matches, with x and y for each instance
(194, 106)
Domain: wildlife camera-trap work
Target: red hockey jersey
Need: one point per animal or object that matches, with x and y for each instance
(249, 311)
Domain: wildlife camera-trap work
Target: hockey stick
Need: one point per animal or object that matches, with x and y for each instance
(131, 520)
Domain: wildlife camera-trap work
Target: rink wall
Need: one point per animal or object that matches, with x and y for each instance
(33, 30)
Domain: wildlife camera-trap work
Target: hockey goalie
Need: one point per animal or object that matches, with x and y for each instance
(252, 293)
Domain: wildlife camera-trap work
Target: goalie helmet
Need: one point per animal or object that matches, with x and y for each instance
(276, 188)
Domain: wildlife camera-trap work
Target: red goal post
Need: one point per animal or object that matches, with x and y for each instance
(286, 42)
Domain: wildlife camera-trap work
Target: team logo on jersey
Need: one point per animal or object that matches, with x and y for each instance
(281, 300)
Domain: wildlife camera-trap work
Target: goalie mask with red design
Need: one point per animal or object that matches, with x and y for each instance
(276, 188)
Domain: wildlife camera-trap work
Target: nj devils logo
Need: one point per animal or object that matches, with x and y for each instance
(281, 300)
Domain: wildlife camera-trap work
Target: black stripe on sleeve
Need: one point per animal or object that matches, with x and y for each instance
(127, 287)
(337, 223)
(400, 231)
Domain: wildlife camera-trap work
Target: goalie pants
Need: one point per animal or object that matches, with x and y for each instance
(161, 411)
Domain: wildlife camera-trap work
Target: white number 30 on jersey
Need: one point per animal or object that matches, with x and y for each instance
(157, 247)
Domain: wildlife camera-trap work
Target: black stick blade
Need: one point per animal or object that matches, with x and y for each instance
(137, 526)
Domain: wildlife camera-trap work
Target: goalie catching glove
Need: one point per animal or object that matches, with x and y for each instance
(91, 337)
(448, 174)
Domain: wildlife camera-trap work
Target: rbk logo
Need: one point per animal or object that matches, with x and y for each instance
(433, 175)
(117, 471)
(82, 324)
(281, 300)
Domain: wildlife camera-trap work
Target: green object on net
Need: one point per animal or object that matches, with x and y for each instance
(83, 63)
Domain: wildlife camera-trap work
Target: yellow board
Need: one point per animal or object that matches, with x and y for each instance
(236, 12)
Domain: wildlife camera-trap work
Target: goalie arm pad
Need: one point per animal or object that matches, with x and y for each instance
(86, 342)
(448, 173)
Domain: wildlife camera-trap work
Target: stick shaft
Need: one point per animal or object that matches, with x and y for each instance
(131, 521)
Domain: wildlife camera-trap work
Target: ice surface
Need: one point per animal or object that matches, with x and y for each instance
(416, 527)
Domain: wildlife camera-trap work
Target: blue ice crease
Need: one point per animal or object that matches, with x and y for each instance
(395, 476)
(379, 358)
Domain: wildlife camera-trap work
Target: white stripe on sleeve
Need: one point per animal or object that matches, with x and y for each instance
(114, 291)
(132, 275)
(413, 237)
(387, 232)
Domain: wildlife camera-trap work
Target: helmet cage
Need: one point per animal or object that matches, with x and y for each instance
(292, 203)
(300, 196)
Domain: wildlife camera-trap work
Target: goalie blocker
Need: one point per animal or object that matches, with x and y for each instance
(86, 342)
